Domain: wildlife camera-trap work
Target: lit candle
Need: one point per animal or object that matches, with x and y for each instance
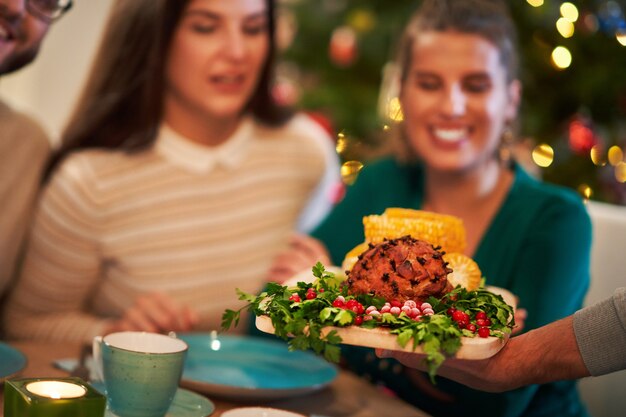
(42, 397)
(56, 389)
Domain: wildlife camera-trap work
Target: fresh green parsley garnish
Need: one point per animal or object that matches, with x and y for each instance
(299, 314)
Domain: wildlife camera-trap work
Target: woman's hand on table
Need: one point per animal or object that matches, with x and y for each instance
(155, 312)
(302, 253)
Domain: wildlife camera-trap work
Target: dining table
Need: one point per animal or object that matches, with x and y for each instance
(346, 396)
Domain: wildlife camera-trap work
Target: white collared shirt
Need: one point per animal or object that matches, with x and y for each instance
(202, 158)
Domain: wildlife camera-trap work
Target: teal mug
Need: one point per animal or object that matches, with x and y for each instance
(141, 371)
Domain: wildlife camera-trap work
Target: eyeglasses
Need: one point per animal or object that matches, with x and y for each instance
(48, 10)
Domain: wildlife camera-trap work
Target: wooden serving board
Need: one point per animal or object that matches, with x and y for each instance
(471, 347)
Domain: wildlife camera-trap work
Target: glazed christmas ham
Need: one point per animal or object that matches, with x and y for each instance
(400, 269)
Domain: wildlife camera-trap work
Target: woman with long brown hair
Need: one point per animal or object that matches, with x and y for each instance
(178, 180)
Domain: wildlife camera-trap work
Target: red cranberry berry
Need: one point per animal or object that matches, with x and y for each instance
(458, 315)
(483, 332)
(338, 303)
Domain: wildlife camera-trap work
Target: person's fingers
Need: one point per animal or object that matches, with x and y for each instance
(282, 269)
(289, 263)
(278, 276)
(384, 353)
(155, 312)
(160, 310)
(298, 255)
(313, 248)
(128, 326)
(302, 254)
(520, 320)
(171, 315)
(191, 318)
(412, 360)
(293, 260)
(135, 319)
(121, 325)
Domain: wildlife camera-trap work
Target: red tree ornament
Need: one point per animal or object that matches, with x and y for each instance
(581, 135)
(285, 92)
(343, 46)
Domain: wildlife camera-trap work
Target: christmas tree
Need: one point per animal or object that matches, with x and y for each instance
(573, 56)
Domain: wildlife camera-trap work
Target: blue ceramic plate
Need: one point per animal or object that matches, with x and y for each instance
(11, 361)
(244, 367)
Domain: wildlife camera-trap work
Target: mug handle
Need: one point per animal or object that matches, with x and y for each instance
(97, 359)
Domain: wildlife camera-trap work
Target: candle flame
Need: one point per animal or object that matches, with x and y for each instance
(56, 389)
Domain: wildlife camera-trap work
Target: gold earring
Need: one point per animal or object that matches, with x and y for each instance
(506, 143)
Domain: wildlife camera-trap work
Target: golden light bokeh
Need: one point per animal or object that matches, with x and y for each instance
(615, 155)
(543, 155)
(342, 143)
(561, 57)
(362, 20)
(569, 11)
(394, 110)
(565, 27)
(535, 3)
(621, 38)
(597, 156)
(350, 171)
(620, 172)
(585, 191)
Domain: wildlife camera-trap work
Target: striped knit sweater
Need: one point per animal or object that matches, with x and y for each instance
(182, 218)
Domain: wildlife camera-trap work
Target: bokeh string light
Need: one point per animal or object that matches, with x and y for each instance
(597, 156)
(615, 155)
(543, 155)
(342, 143)
(565, 27)
(569, 11)
(591, 19)
(394, 110)
(561, 57)
(350, 171)
(585, 191)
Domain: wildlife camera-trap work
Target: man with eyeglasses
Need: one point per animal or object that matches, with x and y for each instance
(24, 146)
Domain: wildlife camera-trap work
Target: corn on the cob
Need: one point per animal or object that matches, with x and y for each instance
(465, 271)
(353, 256)
(438, 229)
